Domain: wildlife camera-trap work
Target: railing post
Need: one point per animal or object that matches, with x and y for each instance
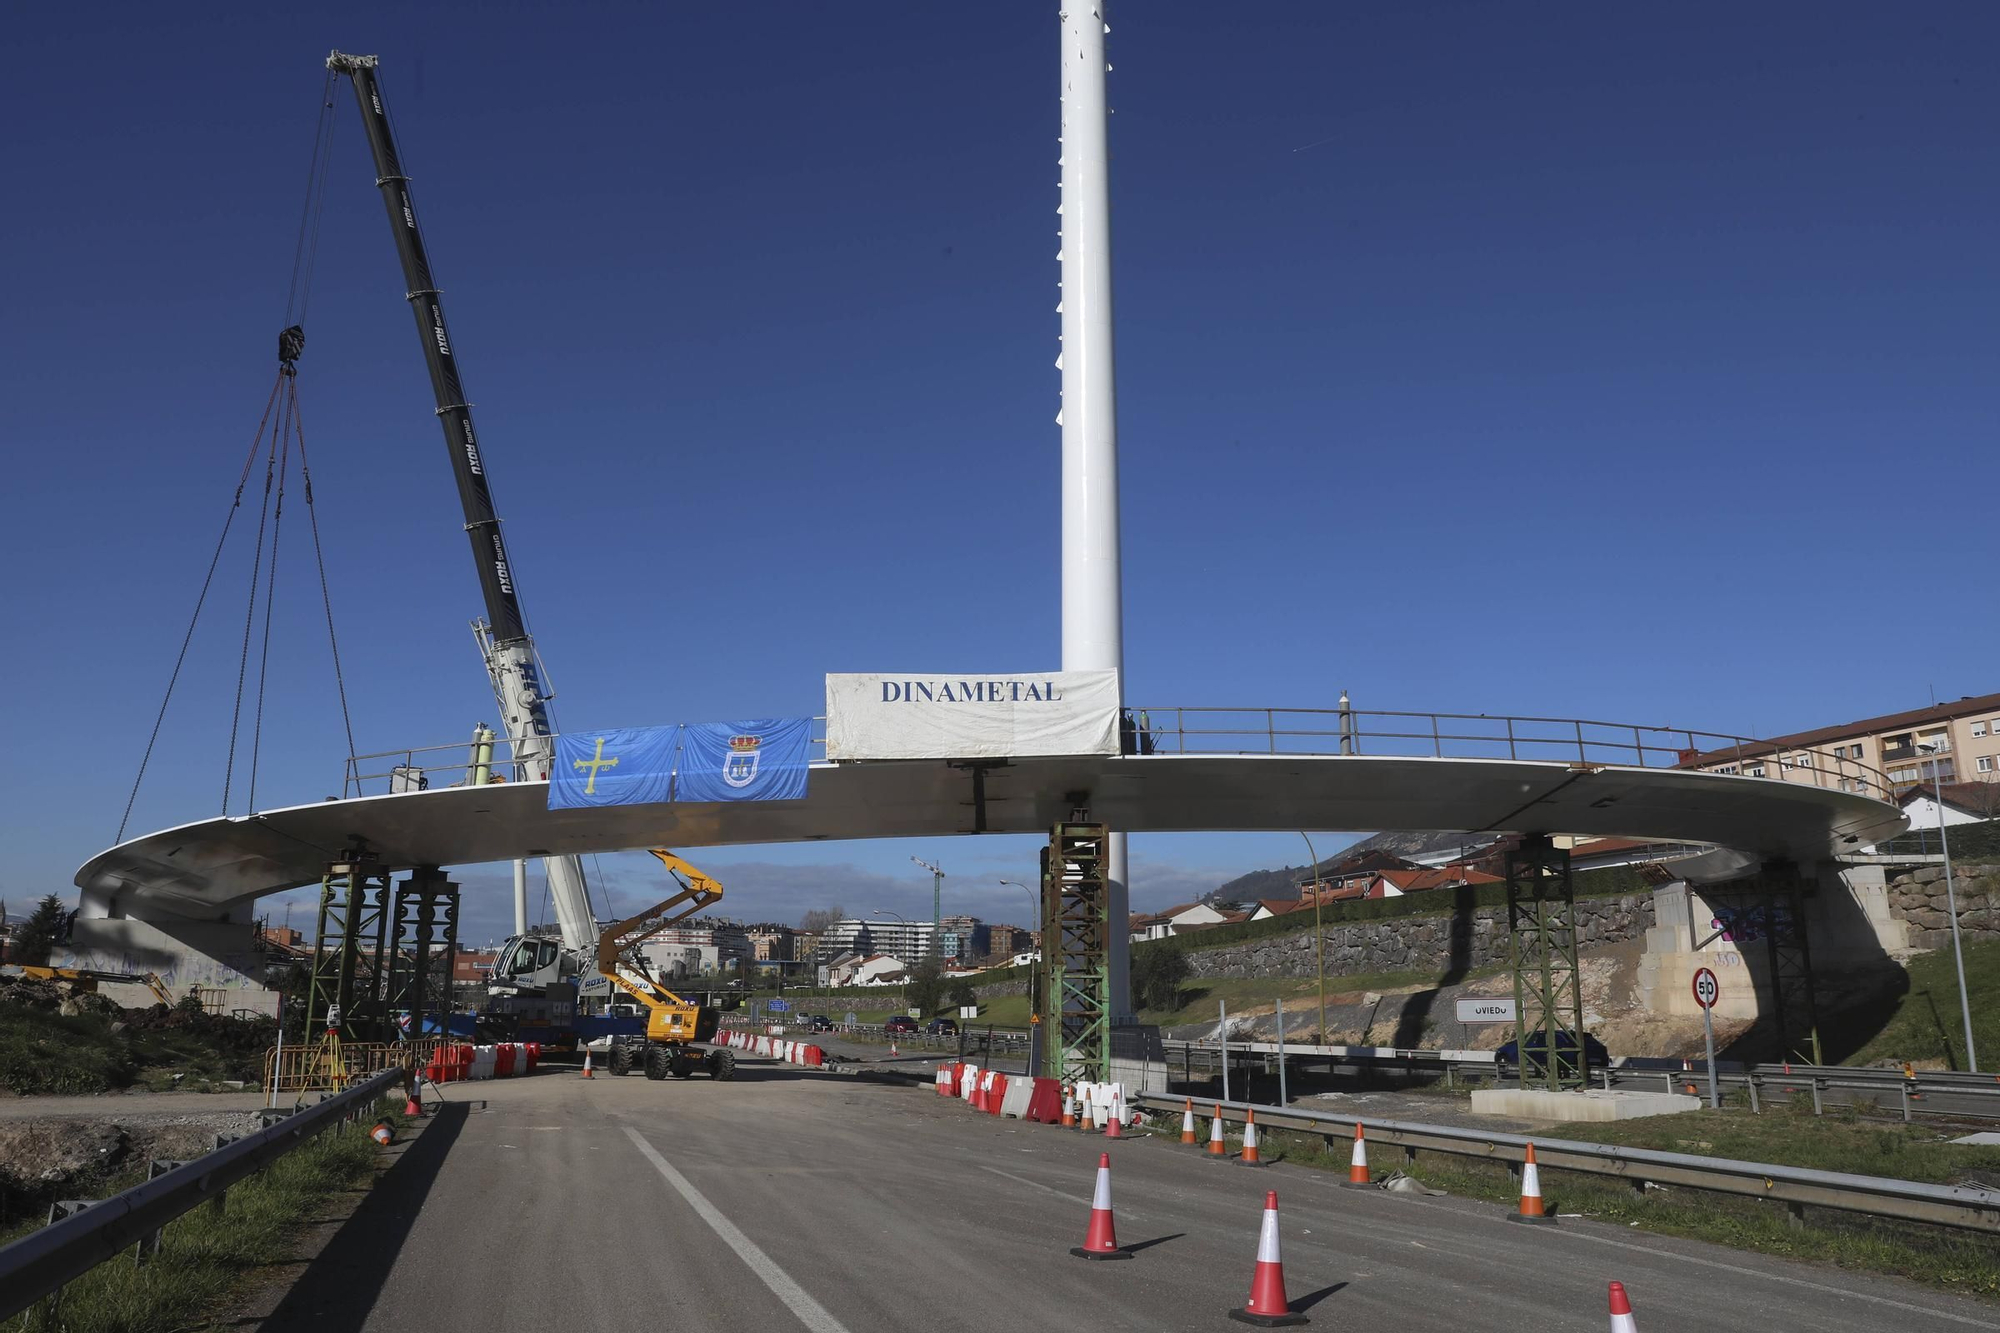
(1437, 741)
(1510, 740)
(1579, 743)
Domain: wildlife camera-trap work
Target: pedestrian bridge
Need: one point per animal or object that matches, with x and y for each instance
(1194, 770)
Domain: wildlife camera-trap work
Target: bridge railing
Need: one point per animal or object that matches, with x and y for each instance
(1182, 730)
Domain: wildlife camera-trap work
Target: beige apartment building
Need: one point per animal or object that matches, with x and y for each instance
(1963, 736)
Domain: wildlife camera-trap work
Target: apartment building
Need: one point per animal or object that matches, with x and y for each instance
(1963, 736)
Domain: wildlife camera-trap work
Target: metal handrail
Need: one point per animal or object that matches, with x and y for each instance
(46, 1260)
(1961, 1206)
(1375, 733)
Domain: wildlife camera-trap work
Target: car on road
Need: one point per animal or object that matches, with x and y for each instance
(942, 1027)
(818, 1023)
(900, 1023)
(1594, 1050)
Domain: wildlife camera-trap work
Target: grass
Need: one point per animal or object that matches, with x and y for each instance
(204, 1256)
(1939, 1256)
(1926, 1024)
(1200, 995)
(44, 1052)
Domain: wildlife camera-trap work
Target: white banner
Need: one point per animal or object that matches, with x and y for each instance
(880, 716)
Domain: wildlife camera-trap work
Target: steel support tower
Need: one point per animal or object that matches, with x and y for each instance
(1772, 904)
(1548, 986)
(345, 993)
(1076, 937)
(423, 941)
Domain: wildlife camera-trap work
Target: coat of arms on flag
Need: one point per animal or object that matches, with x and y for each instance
(740, 768)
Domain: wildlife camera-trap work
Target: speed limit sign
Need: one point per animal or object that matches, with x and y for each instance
(1706, 990)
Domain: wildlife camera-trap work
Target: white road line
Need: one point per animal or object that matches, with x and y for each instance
(810, 1312)
(1652, 1253)
(1036, 1184)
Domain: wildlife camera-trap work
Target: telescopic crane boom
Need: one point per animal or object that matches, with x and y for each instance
(509, 649)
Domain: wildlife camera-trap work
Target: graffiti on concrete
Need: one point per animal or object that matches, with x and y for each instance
(1747, 925)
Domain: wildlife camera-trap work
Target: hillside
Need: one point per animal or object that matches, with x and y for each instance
(1283, 883)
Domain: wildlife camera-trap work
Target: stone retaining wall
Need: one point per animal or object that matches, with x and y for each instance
(1411, 943)
(1918, 898)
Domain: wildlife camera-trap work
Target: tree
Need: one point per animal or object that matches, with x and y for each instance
(37, 936)
(1157, 973)
(925, 988)
(959, 994)
(820, 918)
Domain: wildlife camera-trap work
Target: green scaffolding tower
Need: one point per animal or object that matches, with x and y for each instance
(1770, 904)
(1548, 986)
(423, 940)
(344, 995)
(1076, 946)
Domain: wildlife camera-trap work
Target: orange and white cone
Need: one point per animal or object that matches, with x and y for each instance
(413, 1107)
(1531, 1193)
(1101, 1241)
(1268, 1307)
(1187, 1122)
(1217, 1149)
(892, 1047)
(1114, 1124)
(1357, 1164)
(382, 1134)
(1069, 1108)
(1249, 1157)
(586, 1066)
(1084, 1120)
(1621, 1311)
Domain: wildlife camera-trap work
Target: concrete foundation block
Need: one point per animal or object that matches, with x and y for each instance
(1541, 1104)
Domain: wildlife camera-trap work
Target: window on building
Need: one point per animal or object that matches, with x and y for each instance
(1985, 763)
(1753, 770)
(1979, 728)
(1855, 751)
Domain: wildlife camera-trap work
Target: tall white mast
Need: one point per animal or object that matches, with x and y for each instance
(1093, 616)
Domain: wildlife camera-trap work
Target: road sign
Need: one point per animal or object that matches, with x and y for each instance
(1488, 1009)
(968, 1011)
(852, 1018)
(914, 1012)
(1706, 989)
(777, 1006)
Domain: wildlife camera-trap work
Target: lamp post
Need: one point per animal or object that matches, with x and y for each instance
(1035, 974)
(1319, 938)
(1951, 904)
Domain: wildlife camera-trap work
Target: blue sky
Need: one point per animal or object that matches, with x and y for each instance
(1572, 361)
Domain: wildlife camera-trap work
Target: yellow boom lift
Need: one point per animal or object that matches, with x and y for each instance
(673, 1024)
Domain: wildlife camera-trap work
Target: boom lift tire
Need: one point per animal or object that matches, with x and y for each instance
(656, 1063)
(722, 1065)
(621, 1058)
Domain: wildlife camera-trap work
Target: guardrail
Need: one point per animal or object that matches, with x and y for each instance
(45, 1261)
(1959, 1206)
(1302, 731)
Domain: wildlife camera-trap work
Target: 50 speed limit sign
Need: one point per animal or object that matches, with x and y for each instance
(1706, 989)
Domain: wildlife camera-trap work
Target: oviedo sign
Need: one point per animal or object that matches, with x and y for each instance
(909, 716)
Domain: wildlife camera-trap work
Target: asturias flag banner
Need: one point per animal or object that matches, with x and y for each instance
(627, 766)
(764, 759)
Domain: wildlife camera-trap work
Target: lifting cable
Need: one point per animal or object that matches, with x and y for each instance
(289, 430)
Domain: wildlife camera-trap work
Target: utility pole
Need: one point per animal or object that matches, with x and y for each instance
(937, 900)
(1951, 906)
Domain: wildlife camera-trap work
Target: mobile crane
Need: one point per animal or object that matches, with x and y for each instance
(530, 967)
(507, 648)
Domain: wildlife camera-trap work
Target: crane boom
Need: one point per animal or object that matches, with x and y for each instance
(509, 650)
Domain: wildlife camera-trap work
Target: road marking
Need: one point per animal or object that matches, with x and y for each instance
(1036, 1184)
(1653, 1253)
(809, 1311)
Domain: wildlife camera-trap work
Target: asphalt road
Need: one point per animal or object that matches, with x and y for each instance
(790, 1200)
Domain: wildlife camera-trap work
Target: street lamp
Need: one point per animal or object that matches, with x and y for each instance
(1319, 937)
(1951, 902)
(1035, 974)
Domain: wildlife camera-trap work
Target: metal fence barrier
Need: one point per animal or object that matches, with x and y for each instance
(323, 1067)
(47, 1260)
(1960, 1206)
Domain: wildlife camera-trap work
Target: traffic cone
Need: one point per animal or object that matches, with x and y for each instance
(1101, 1242)
(1249, 1157)
(1621, 1311)
(586, 1066)
(1357, 1164)
(1114, 1124)
(382, 1134)
(892, 1047)
(1069, 1109)
(1268, 1307)
(1084, 1120)
(1531, 1193)
(1217, 1149)
(1187, 1122)
(413, 1107)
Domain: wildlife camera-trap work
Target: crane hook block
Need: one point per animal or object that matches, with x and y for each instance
(291, 343)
